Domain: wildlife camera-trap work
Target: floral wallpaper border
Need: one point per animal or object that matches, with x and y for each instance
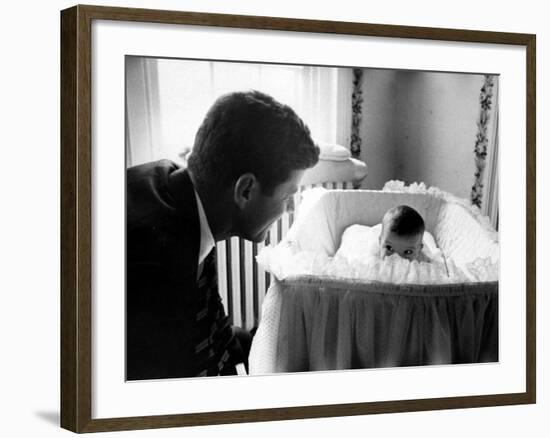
(482, 139)
(356, 108)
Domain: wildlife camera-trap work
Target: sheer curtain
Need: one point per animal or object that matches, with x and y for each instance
(490, 201)
(167, 99)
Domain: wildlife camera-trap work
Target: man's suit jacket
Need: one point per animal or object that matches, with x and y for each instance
(164, 335)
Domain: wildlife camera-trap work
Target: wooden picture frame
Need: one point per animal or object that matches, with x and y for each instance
(76, 217)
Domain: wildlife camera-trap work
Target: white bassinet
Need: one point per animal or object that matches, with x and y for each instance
(321, 315)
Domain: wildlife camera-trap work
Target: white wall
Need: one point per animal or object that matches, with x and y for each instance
(420, 126)
(29, 223)
(378, 126)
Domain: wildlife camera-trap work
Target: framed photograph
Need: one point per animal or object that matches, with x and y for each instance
(269, 218)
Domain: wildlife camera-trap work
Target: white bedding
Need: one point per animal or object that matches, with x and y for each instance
(362, 242)
(335, 236)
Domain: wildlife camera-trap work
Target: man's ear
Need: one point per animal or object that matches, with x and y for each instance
(245, 189)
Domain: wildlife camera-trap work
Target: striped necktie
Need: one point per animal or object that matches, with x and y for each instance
(214, 330)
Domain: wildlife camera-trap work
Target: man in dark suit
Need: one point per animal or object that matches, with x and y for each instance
(249, 156)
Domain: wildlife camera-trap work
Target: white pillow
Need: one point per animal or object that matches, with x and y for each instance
(361, 242)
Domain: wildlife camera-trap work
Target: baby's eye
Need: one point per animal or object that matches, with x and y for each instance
(408, 252)
(389, 248)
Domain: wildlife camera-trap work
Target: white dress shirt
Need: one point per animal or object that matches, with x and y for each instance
(207, 239)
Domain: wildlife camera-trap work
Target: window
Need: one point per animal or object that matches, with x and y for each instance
(167, 100)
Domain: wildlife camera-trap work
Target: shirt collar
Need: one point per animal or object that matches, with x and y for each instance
(207, 239)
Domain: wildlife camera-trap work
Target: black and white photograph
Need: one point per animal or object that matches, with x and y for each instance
(286, 218)
(275, 219)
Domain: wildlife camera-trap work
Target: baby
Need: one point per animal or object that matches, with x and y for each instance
(402, 233)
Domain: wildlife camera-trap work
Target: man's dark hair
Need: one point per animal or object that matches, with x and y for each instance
(250, 132)
(403, 221)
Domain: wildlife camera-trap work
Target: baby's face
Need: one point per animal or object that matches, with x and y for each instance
(408, 247)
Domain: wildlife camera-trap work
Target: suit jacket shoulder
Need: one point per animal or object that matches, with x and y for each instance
(163, 233)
